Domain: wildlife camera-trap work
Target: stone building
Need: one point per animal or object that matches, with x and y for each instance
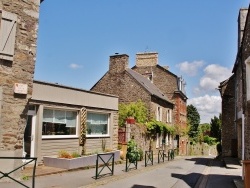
(228, 126)
(131, 86)
(241, 71)
(171, 85)
(18, 38)
(240, 86)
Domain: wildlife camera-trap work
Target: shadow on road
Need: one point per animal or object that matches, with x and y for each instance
(215, 180)
(189, 179)
(142, 186)
(207, 161)
(200, 160)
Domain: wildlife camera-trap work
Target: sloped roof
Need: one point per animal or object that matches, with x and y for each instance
(183, 94)
(148, 85)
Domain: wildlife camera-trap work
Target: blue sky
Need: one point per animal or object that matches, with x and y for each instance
(196, 39)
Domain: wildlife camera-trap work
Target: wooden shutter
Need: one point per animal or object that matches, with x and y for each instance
(7, 35)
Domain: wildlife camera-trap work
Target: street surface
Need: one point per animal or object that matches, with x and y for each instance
(182, 172)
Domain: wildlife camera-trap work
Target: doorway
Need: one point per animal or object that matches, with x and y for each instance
(29, 133)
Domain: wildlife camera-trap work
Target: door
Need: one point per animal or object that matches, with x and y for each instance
(29, 134)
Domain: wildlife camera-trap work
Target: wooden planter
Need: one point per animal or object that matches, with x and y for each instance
(79, 162)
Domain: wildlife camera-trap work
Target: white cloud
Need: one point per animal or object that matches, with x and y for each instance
(214, 74)
(190, 68)
(207, 106)
(75, 66)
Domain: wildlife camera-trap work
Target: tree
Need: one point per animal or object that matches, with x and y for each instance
(203, 130)
(193, 118)
(137, 110)
(216, 127)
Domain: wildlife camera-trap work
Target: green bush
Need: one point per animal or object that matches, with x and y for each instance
(210, 140)
(132, 151)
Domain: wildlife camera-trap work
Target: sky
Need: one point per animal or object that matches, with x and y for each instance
(196, 39)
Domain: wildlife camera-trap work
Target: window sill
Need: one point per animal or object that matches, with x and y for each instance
(97, 136)
(44, 137)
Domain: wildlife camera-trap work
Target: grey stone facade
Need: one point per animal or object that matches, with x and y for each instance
(17, 68)
(242, 105)
(241, 73)
(229, 130)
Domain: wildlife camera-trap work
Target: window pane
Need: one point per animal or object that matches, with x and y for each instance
(59, 122)
(57, 129)
(59, 116)
(97, 124)
(70, 119)
(47, 115)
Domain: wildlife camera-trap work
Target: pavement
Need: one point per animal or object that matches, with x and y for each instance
(225, 172)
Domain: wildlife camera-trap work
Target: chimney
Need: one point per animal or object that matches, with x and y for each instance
(241, 24)
(146, 59)
(118, 63)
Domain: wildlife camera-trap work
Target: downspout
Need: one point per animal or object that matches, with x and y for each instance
(243, 136)
(243, 143)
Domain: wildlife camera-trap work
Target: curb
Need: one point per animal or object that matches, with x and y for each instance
(202, 181)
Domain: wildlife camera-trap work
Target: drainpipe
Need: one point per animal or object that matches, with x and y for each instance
(243, 137)
(243, 143)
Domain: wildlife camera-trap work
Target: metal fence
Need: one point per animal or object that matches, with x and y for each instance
(26, 161)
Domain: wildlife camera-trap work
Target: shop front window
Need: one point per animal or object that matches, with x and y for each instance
(59, 122)
(97, 124)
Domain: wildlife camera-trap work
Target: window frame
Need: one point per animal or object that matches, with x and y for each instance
(108, 125)
(62, 136)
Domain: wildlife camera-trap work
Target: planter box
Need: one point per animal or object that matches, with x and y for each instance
(79, 162)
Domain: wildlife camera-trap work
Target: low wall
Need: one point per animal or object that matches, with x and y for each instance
(202, 149)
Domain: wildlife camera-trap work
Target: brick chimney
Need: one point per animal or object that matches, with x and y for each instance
(118, 63)
(241, 24)
(146, 59)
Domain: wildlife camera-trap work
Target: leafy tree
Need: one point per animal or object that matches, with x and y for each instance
(193, 118)
(137, 110)
(209, 140)
(203, 130)
(216, 127)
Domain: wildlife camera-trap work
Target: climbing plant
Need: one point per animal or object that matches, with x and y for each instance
(154, 126)
(137, 110)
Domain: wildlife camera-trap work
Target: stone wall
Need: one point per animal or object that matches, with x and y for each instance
(202, 149)
(243, 54)
(13, 106)
(229, 132)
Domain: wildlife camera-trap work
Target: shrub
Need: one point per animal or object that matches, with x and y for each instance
(132, 151)
(64, 154)
(209, 140)
(75, 155)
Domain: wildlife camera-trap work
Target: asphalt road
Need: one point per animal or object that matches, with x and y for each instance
(182, 172)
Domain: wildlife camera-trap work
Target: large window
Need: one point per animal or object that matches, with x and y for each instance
(59, 122)
(97, 124)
